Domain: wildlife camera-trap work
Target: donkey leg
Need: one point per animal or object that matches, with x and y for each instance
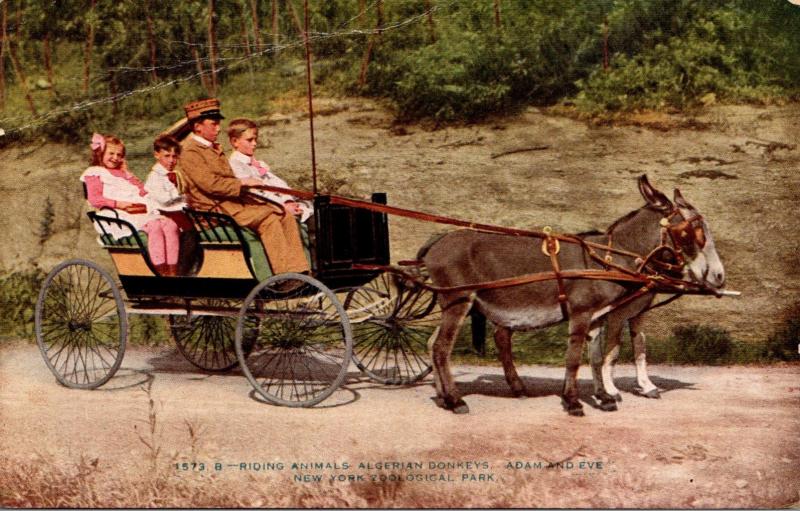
(578, 328)
(613, 341)
(452, 318)
(502, 338)
(640, 355)
(607, 401)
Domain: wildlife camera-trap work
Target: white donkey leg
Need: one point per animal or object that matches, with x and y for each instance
(640, 356)
(595, 349)
(607, 401)
(613, 339)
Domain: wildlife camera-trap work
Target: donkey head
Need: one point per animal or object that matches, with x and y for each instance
(690, 235)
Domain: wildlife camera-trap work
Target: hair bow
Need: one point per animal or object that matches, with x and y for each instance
(98, 142)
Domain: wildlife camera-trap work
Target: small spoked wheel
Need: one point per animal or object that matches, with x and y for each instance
(301, 340)
(81, 325)
(206, 335)
(393, 321)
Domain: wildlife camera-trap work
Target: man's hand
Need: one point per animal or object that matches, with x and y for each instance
(251, 181)
(134, 208)
(293, 208)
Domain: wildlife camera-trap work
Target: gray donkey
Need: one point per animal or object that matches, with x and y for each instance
(467, 257)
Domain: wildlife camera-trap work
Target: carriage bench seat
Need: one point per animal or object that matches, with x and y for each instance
(220, 236)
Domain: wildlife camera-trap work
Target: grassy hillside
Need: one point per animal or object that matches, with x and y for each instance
(442, 60)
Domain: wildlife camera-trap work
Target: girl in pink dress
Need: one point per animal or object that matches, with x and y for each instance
(110, 184)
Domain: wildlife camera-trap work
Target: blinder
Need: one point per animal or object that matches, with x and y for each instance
(688, 233)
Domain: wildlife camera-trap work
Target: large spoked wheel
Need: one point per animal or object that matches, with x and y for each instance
(206, 336)
(81, 325)
(302, 343)
(393, 321)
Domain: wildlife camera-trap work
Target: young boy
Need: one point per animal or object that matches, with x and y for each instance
(243, 134)
(162, 182)
(162, 188)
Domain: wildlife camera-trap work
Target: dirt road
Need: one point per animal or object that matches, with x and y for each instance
(719, 437)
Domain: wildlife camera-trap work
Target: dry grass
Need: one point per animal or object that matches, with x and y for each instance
(87, 484)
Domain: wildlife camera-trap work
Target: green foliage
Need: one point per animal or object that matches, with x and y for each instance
(148, 330)
(690, 344)
(701, 344)
(46, 224)
(457, 64)
(783, 343)
(675, 54)
(475, 69)
(541, 346)
(18, 294)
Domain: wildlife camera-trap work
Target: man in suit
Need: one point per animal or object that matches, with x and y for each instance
(209, 184)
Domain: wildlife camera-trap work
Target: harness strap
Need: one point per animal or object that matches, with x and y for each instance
(552, 250)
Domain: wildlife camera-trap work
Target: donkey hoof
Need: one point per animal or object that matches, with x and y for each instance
(573, 408)
(608, 406)
(653, 394)
(460, 407)
(617, 398)
(576, 412)
(518, 392)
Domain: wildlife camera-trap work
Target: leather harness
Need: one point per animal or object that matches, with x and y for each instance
(656, 271)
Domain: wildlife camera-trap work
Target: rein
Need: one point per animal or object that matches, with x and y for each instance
(679, 234)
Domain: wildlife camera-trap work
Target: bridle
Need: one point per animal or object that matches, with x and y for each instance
(678, 238)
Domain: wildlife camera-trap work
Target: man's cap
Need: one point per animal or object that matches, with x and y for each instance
(203, 109)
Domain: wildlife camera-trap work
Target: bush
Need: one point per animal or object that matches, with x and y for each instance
(18, 294)
(701, 344)
(783, 344)
(684, 55)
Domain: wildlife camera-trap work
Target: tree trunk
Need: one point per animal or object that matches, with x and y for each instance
(605, 44)
(275, 25)
(21, 78)
(431, 25)
(200, 71)
(151, 38)
(114, 91)
(362, 77)
(212, 43)
(256, 29)
(3, 44)
(87, 55)
(296, 19)
(48, 63)
(15, 63)
(497, 23)
(245, 36)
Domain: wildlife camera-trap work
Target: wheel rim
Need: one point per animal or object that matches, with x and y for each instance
(390, 345)
(302, 342)
(208, 341)
(81, 325)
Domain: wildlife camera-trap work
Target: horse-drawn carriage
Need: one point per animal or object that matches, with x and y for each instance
(293, 342)
(293, 335)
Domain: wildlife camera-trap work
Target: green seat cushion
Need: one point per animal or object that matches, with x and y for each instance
(128, 241)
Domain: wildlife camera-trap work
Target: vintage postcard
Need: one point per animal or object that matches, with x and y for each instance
(399, 254)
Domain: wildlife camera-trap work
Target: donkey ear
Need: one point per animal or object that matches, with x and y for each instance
(653, 197)
(680, 201)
